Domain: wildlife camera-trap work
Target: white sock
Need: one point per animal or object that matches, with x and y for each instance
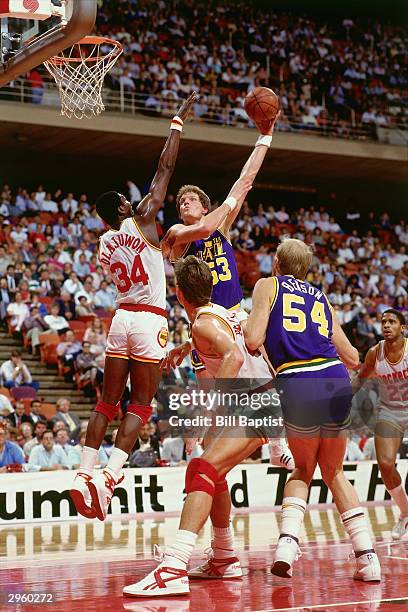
(88, 459)
(116, 460)
(400, 498)
(293, 512)
(179, 553)
(355, 523)
(222, 543)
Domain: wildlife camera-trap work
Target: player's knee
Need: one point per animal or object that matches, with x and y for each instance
(109, 410)
(201, 476)
(143, 412)
(221, 486)
(386, 464)
(303, 473)
(329, 473)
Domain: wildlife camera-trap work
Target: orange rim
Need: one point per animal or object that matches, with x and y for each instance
(57, 60)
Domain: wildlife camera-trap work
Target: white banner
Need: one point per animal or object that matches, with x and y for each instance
(45, 496)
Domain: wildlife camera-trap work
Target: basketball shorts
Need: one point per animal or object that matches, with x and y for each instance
(397, 419)
(141, 336)
(315, 403)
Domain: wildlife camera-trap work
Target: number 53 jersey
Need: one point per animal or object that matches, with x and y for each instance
(139, 328)
(135, 265)
(298, 336)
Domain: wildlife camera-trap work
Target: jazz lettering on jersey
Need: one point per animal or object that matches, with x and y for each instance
(121, 240)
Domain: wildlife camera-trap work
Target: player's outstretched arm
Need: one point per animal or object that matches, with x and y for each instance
(346, 351)
(367, 370)
(257, 322)
(250, 171)
(150, 205)
(183, 234)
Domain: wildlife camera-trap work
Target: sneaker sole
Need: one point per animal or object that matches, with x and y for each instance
(96, 504)
(150, 594)
(80, 505)
(361, 579)
(281, 569)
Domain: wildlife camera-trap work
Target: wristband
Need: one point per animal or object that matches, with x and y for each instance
(176, 124)
(231, 202)
(264, 139)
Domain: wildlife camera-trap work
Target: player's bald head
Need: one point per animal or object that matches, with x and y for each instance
(294, 257)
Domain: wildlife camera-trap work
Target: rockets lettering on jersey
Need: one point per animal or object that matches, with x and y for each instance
(254, 366)
(217, 252)
(300, 327)
(135, 265)
(393, 377)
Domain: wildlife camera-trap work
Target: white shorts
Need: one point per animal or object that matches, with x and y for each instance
(141, 336)
(397, 418)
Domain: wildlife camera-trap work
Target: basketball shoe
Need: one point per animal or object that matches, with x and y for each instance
(81, 495)
(169, 578)
(400, 528)
(101, 488)
(217, 568)
(287, 552)
(280, 454)
(368, 567)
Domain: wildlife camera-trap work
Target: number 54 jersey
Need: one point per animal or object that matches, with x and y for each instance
(139, 328)
(298, 336)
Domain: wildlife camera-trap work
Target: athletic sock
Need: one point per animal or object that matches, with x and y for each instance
(356, 525)
(222, 542)
(293, 512)
(116, 460)
(178, 554)
(88, 460)
(400, 498)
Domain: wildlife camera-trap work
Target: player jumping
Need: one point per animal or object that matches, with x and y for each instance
(388, 362)
(130, 253)
(218, 338)
(309, 351)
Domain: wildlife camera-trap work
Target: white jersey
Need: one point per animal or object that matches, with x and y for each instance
(393, 379)
(254, 366)
(135, 265)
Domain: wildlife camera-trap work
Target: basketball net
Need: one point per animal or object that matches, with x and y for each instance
(80, 72)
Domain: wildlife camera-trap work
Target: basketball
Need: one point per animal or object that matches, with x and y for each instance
(262, 105)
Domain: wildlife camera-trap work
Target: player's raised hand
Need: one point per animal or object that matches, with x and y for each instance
(266, 127)
(185, 108)
(175, 357)
(169, 239)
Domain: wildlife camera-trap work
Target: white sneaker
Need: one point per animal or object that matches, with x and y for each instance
(400, 528)
(368, 568)
(280, 454)
(81, 495)
(287, 552)
(163, 581)
(101, 488)
(217, 568)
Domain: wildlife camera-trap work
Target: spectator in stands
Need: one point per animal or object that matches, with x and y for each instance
(105, 297)
(18, 311)
(62, 440)
(26, 430)
(39, 429)
(4, 297)
(84, 308)
(85, 365)
(18, 416)
(72, 285)
(55, 321)
(35, 325)
(36, 411)
(47, 456)
(146, 450)
(66, 306)
(15, 373)
(95, 334)
(70, 419)
(6, 407)
(67, 350)
(109, 447)
(10, 452)
(172, 451)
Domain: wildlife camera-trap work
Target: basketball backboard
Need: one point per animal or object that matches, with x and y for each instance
(32, 31)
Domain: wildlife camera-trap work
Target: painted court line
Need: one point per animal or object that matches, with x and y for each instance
(334, 605)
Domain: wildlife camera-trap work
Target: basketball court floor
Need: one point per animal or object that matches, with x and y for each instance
(84, 565)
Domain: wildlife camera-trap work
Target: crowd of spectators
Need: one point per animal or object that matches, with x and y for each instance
(329, 73)
(53, 289)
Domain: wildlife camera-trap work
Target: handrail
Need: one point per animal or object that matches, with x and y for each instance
(125, 102)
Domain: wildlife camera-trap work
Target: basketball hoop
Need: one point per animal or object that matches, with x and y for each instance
(80, 72)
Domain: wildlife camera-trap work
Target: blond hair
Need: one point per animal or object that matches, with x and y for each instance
(204, 199)
(294, 257)
(194, 278)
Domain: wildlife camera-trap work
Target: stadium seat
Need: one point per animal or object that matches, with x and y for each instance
(21, 393)
(45, 341)
(48, 410)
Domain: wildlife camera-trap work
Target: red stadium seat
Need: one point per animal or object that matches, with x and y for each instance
(20, 393)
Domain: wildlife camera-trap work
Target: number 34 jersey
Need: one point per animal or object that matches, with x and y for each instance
(135, 265)
(298, 336)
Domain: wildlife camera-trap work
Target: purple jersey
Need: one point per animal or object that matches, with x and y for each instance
(300, 327)
(217, 252)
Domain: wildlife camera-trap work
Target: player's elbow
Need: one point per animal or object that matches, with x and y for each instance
(253, 340)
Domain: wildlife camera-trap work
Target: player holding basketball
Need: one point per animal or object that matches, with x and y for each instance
(388, 362)
(309, 351)
(130, 253)
(218, 338)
